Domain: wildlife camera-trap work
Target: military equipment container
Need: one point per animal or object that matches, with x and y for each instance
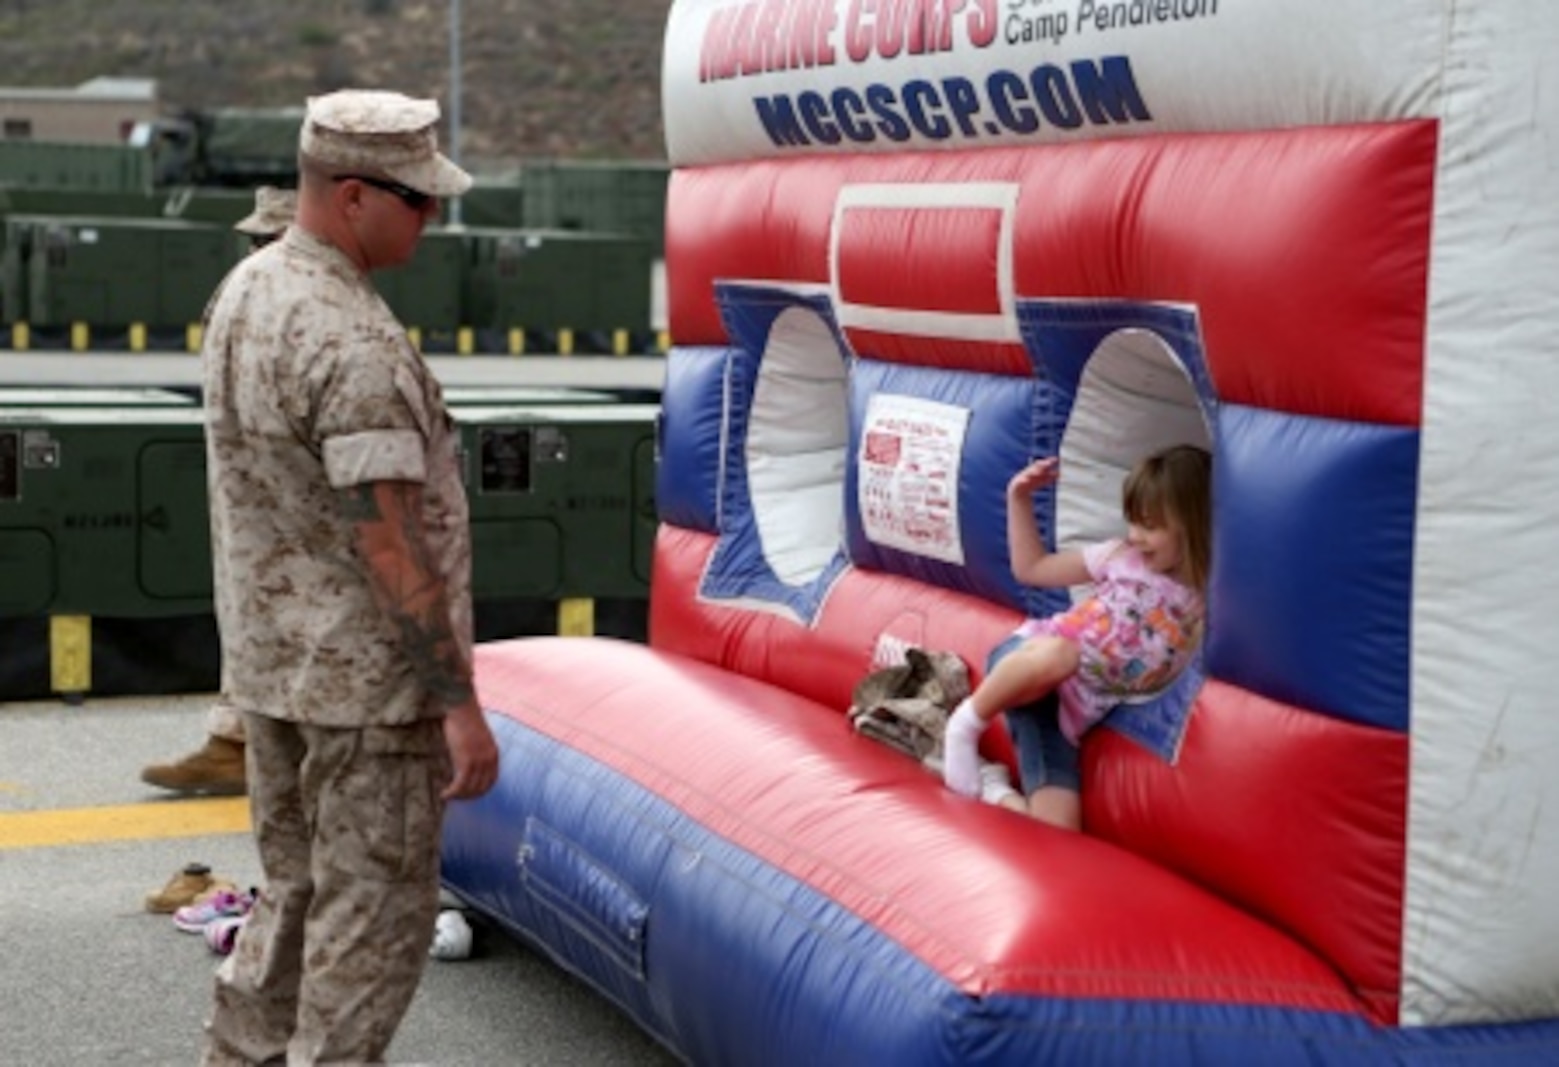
(552, 279)
(105, 551)
(562, 499)
(105, 544)
(105, 168)
(103, 512)
(494, 202)
(619, 197)
(15, 250)
(221, 207)
(110, 273)
(425, 293)
(90, 203)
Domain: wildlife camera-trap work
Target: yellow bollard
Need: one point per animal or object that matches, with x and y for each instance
(194, 337)
(565, 342)
(80, 337)
(576, 617)
(516, 342)
(619, 342)
(138, 337)
(416, 338)
(465, 340)
(20, 338)
(663, 341)
(70, 654)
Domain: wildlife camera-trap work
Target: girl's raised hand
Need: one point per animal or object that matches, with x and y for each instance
(1036, 476)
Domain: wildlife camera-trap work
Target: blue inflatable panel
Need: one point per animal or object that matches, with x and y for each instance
(727, 960)
(999, 440)
(748, 312)
(1310, 598)
(1064, 334)
(692, 406)
(740, 569)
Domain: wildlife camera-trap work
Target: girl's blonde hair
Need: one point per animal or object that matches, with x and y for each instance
(1174, 488)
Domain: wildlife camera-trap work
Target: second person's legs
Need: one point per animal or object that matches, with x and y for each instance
(256, 997)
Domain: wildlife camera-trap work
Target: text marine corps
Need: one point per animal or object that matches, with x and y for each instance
(764, 36)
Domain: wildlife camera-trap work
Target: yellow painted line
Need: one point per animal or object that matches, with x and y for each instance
(125, 822)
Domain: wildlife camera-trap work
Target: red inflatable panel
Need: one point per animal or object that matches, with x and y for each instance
(823, 662)
(957, 272)
(989, 899)
(1316, 844)
(1299, 250)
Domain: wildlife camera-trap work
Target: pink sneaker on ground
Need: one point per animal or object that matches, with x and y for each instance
(192, 919)
(222, 934)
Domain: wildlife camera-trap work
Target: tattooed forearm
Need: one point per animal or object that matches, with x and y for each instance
(435, 656)
(409, 588)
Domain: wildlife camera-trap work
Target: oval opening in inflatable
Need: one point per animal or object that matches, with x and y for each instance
(796, 441)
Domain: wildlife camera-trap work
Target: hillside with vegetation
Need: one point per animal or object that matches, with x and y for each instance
(572, 79)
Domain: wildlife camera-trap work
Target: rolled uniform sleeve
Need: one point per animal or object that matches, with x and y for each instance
(373, 425)
(375, 456)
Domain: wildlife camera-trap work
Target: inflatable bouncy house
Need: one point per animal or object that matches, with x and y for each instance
(912, 244)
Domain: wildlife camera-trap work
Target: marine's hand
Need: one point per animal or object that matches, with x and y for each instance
(472, 751)
(1035, 476)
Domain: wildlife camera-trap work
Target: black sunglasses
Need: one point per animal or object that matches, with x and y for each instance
(413, 199)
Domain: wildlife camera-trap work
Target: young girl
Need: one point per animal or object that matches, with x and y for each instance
(1130, 638)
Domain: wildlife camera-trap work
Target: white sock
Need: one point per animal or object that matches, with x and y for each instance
(961, 750)
(995, 784)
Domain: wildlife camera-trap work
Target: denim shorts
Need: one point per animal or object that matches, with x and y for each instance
(1045, 756)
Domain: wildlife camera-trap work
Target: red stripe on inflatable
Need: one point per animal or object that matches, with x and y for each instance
(931, 259)
(981, 357)
(994, 902)
(1301, 817)
(1304, 252)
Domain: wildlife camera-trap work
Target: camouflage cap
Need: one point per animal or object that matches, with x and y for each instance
(381, 134)
(273, 212)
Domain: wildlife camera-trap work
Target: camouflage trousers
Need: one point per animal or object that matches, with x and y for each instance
(347, 823)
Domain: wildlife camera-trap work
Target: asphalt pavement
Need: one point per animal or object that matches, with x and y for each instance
(88, 977)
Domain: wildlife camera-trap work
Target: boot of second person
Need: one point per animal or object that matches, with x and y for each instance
(214, 769)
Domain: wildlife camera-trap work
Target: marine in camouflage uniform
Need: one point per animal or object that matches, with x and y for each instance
(318, 411)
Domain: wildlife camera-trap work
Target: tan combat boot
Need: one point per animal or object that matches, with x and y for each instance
(182, 889)
(215, 769)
